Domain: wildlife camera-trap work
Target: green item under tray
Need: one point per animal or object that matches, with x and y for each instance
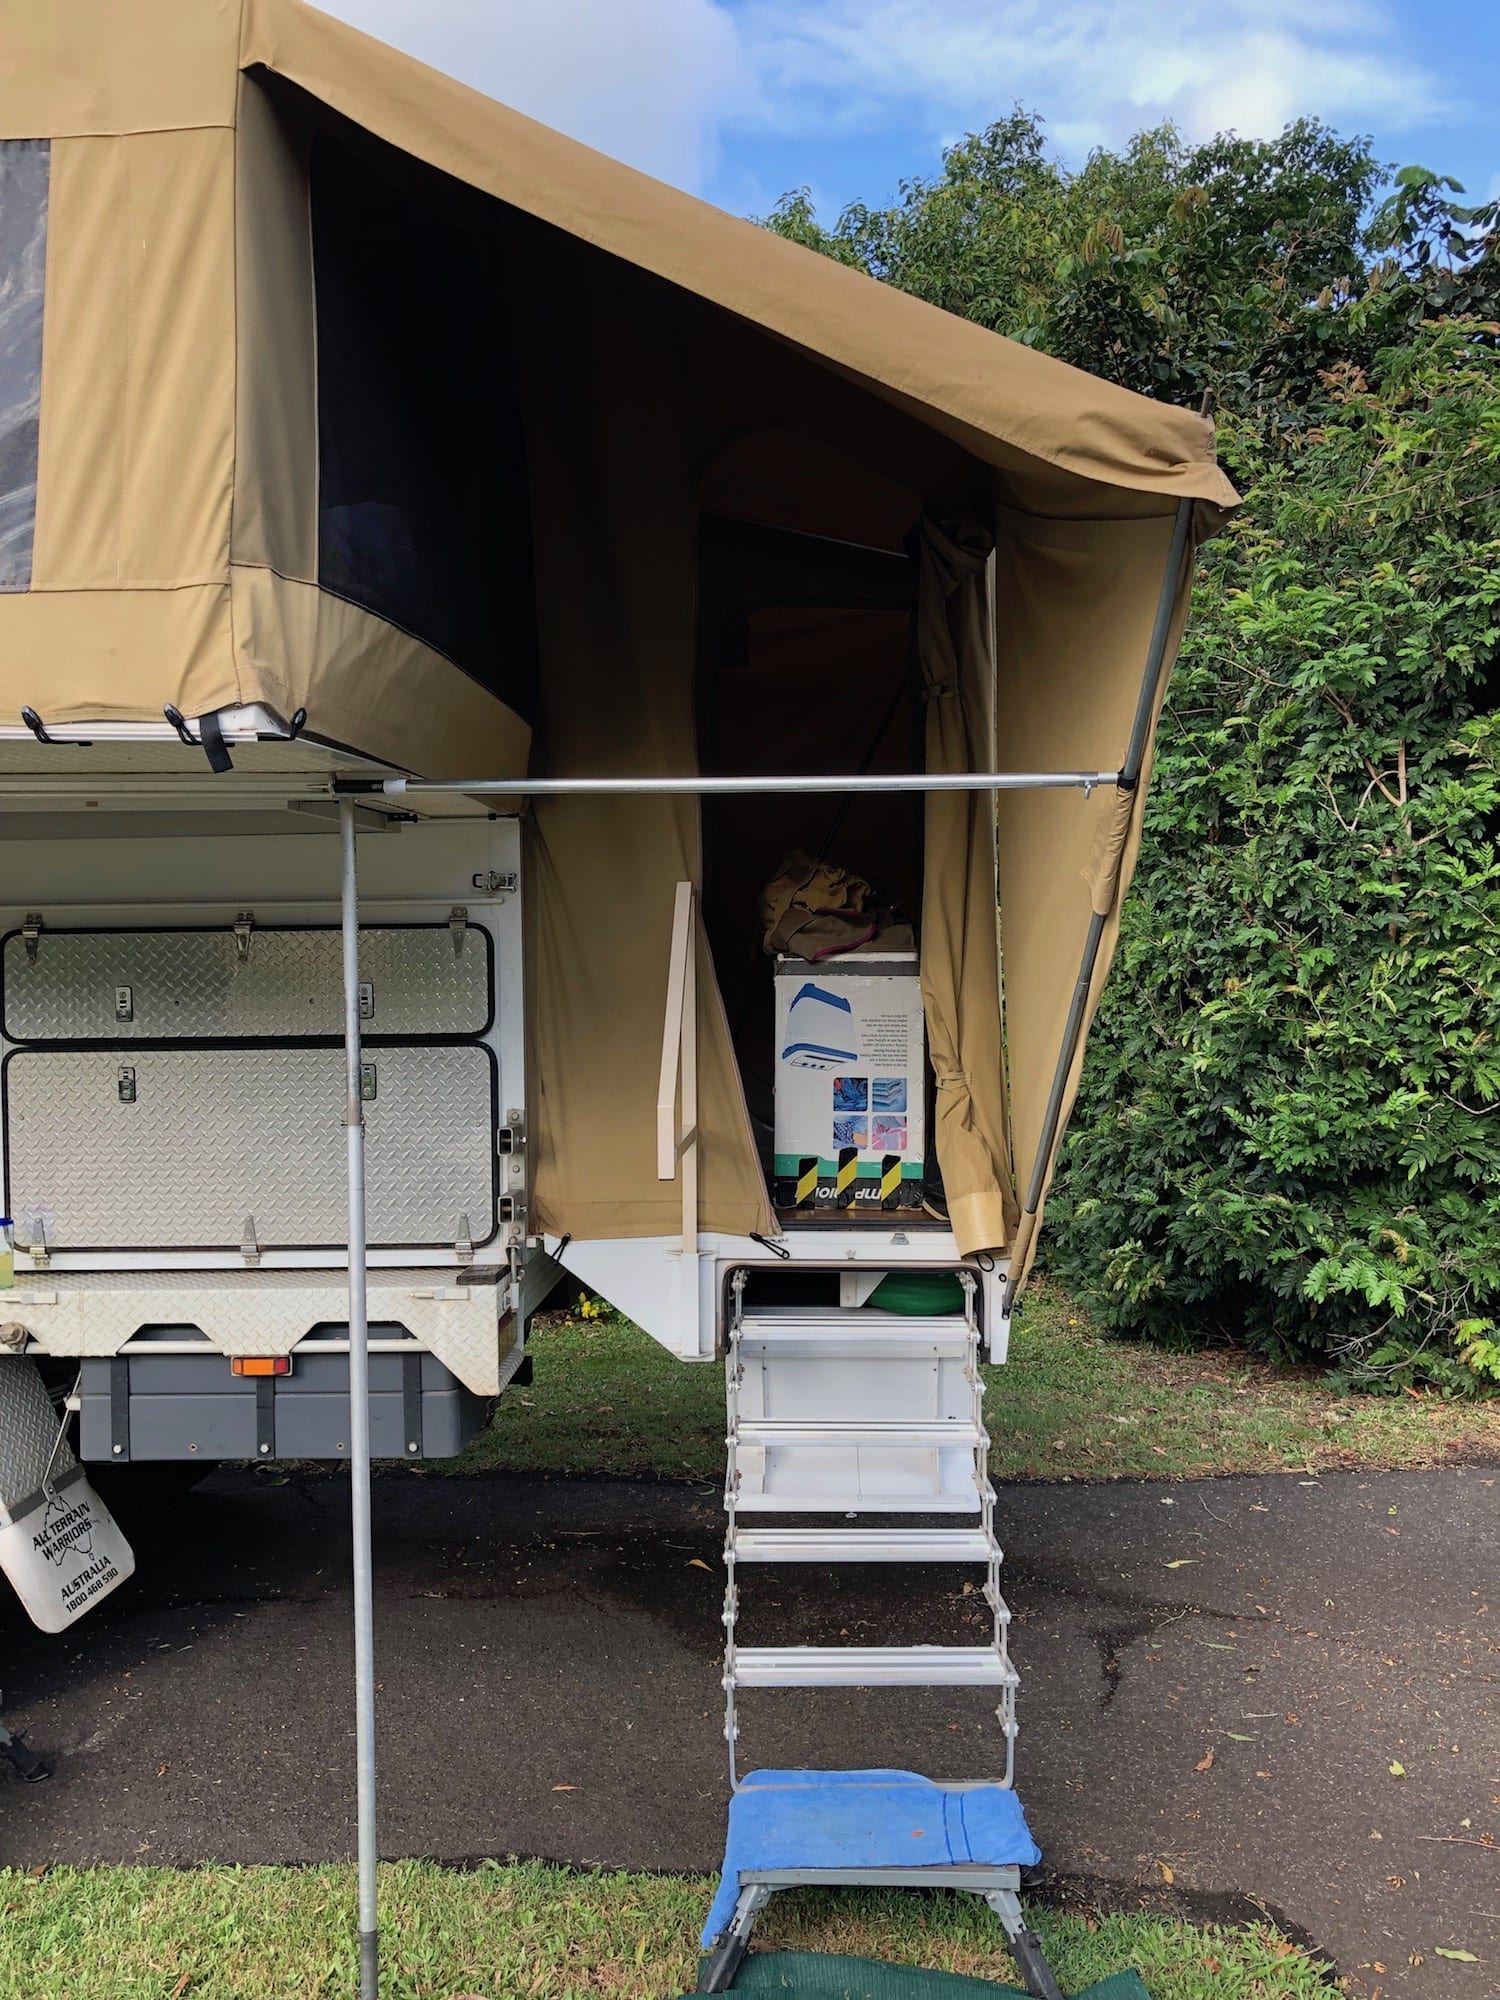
(807, 1975)
(922, 1294)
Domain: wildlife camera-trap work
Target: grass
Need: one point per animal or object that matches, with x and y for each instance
(524, 1931)
(1071, 1403)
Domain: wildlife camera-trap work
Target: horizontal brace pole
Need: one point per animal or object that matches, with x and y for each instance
(920, 781)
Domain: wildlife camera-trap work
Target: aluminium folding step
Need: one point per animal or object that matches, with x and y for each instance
(864, 1545)
(826, 1333)
(869, 1666)
(872, 1501)
(855, 1411)
(943, 1435)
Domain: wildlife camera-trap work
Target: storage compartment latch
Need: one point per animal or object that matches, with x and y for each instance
(510, 1141)
(458, 923)
(249, 1242)
(463, 1242)
(31, 931)
(244, 924)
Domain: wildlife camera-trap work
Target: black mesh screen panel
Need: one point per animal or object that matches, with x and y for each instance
(423, 515)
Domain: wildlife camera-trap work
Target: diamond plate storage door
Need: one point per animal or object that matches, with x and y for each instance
(172, 1149)
(212, 985)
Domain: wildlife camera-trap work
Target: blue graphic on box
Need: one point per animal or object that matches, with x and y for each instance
(819, 1026)
(881, 1103)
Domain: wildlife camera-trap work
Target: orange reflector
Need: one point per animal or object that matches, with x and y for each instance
(260, 1364)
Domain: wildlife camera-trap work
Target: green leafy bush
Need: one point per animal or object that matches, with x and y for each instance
(1289, 1131)
(1290, 1124)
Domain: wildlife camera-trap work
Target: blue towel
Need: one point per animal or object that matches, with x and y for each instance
(864, 1819)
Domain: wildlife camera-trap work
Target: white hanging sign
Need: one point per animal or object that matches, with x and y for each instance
(65, 1554)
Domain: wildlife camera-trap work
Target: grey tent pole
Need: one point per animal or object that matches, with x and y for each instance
(359, 1425)
(1129, 777)
(701, 788)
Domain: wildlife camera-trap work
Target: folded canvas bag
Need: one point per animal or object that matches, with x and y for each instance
(810, 909)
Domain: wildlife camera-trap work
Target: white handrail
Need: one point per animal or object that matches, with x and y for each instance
(677, 1139)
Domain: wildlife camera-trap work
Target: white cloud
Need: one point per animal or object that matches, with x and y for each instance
(661, 82)
(1098, 69)
(650, 81)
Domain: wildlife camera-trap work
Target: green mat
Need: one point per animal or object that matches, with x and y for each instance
(919, 1293)
(807, 1975)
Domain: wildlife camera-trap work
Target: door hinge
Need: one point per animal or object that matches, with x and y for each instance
(458, 923)
(31, 931)
(244, 924)
(249, 1242)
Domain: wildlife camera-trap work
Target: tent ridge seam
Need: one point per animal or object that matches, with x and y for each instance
(161, 585)
(128, 131)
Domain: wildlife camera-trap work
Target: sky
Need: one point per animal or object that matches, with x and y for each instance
(741, 100)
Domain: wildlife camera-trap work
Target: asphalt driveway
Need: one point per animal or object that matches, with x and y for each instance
(1218, 1678)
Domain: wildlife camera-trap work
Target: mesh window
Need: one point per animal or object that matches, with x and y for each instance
(423, 513)
(24, 165)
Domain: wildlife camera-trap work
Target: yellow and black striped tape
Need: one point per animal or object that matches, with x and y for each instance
(807, 1180)
(843, 1182)
(890, 1179)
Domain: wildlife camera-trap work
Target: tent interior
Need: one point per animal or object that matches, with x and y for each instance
(806, 665)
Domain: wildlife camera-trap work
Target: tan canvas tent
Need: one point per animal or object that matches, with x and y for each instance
(328, 385)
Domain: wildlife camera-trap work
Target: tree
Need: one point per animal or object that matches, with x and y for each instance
(1166, 267)
(1289, 1130)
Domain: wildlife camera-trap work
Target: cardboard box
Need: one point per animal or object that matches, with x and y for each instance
(851, 1084)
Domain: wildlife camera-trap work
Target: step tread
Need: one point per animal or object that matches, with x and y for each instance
(867, 1666)
(938, 1433)
(857, 1503)
(771, 1320)
(937, 1545)
(853, 1343)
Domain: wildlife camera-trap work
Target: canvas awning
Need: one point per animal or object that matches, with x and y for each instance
(184, 523)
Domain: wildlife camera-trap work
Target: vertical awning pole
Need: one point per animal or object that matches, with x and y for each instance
(359, 1426)
(1127, 781)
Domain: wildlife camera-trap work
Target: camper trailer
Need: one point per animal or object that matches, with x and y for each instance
(417, 529)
